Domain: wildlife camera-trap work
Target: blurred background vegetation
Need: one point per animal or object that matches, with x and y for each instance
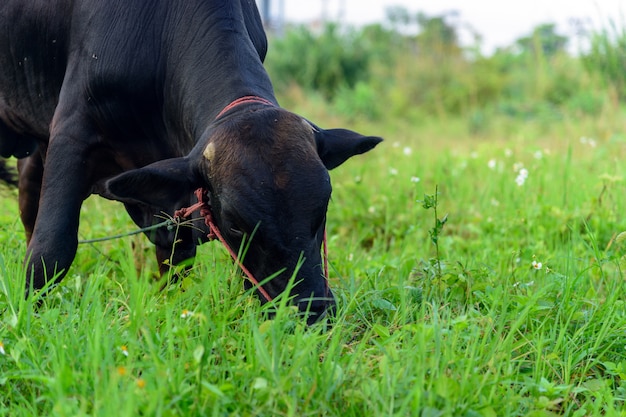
(412, 68)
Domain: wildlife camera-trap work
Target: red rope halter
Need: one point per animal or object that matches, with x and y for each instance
(214, 233)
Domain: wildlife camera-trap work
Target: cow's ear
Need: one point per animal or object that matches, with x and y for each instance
(335, 146)
(158, 184)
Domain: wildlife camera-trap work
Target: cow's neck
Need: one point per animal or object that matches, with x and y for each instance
(210, 78)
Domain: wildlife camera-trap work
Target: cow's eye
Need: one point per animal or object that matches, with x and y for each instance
(236, 232)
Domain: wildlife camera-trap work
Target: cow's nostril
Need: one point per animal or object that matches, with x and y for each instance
(317, 310)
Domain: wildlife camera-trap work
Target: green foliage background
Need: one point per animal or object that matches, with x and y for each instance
(381, 73)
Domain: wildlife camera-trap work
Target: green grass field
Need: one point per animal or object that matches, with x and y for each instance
(518, 310)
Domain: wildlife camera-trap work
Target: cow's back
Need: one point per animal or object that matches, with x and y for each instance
(127, 58)
(33, 55)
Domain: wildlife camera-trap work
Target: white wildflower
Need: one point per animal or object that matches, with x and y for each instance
(522, 175)
(186, 313)
(588, 141)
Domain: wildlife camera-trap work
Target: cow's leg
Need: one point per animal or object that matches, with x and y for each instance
(67, 177)
(29, 184)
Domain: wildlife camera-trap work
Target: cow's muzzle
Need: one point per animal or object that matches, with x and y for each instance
(317, 310)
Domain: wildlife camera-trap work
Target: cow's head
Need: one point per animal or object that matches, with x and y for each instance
(266, 172)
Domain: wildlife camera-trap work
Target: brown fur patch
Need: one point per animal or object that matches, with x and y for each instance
(281, 179)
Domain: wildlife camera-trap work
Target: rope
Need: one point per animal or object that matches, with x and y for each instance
(134, 232)
(241, 100)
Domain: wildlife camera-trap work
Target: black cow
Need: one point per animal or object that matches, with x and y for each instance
(130, 99)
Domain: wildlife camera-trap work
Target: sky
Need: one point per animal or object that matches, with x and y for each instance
(499, 22)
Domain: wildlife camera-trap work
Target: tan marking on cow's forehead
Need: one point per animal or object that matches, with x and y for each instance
(209, 151)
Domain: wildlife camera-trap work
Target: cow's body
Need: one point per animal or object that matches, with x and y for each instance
(91, 89)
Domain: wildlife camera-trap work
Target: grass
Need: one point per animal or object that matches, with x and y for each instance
(472, 329)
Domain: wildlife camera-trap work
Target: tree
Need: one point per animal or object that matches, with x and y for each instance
(544, 40)
(431, 35)
(437, 34)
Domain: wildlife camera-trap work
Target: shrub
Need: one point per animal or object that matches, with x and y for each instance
(325, 63)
